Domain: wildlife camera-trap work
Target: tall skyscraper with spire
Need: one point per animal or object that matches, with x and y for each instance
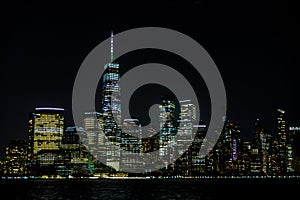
(111, 107)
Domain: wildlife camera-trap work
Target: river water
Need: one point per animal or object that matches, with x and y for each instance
(150, 189)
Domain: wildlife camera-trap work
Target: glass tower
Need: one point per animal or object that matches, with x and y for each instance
(111, 105)
(168, 128)
(111, 110)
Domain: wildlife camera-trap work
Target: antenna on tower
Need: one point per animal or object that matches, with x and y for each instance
(111, 47)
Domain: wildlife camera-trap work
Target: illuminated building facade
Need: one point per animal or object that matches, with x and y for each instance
(187, 119)
(256, 160)
(102, 141)
(76, 160)
(168, 128)
(51, 153)
(278, 152)
(70, 136)
(46, 127)
(198, 164)
(131, 144)
(132, 135)
(91, 131)
(290, 165)
(230, 148)
(186, 122)
(111, 104)
(50, 162)
(111, 110)
(281, 126)
(266, 140)
(282, 141)
(294, 140)
(16, 158)
(213, 161)
(260, 150)
(150, 143)
(245, 161)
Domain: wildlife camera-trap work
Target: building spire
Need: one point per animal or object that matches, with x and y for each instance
(111, 46)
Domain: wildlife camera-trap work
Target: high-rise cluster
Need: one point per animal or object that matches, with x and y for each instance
(107, 145)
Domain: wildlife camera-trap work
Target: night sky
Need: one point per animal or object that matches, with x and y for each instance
(255, 46)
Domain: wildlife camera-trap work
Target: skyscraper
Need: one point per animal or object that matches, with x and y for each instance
(256, 160)
(131, 145)
(91, 131)
(111, 110)
(198, 163)
(151, 144)
(259, 151)
(111, 105)
(245, 163)
(294, 140)
(168, 128)
(102, 141)
(281, 126)
(186, 122)
(187, 118)
(46, 127)
(77, 159)
(278, 153)
(230, 147)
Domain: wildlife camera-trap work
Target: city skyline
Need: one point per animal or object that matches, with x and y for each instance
(250, 53)
(71, 128)
(72, 149)
(105, 144)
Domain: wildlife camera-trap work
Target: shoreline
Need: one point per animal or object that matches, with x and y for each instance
(157, 178)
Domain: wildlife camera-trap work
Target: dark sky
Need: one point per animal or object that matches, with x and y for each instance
(254, 44)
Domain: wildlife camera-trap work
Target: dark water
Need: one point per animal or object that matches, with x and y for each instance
(150, 189)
